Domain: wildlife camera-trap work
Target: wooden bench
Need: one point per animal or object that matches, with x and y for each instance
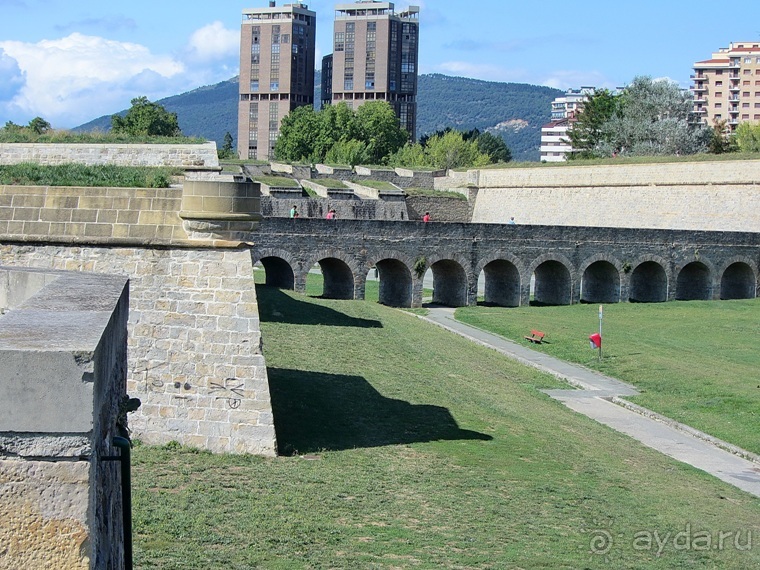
(536, 337)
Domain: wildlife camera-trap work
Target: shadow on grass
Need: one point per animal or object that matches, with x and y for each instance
(277, 307)
(314, 411)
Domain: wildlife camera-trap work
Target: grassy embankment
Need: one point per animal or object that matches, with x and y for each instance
(106, 175)
(408, 447)
(696, 362)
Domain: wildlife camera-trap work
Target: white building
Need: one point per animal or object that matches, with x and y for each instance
(555, 144)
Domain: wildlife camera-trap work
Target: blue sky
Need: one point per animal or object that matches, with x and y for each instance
(71, 61)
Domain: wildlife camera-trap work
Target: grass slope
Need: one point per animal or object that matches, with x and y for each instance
(408, 447)
(695, 362)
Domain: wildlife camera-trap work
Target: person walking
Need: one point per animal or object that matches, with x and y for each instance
(294, 211)
(426, 217)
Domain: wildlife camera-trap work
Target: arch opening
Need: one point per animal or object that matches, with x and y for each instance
(649, 283)
(338, 280)
(553, 284)
(501, 284)
(738, 282)
(694, 283)
(600, 283)
(394, 283)
(278, 273)
(449, 283)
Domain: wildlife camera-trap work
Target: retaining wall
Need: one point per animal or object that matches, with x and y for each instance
(720, 195)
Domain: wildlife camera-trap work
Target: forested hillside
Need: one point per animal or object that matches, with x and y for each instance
(515, 111)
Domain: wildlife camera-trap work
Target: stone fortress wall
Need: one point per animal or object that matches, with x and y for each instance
(195, 356)
(180, 155)
(63, 368)
(713, 196)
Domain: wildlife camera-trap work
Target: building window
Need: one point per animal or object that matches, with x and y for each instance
(717, 117)
(719, 72)
(285, 38)
(340, 41)
(747, 72)
(372, 27)
(255, 85)
(274, 85)
(747, 60)
(348, 85)
(719, 94)
(745, 94)
(745, 117)
(717, 84)
(745, 105)
(718, 105)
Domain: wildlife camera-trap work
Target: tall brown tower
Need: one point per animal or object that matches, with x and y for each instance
(277, 46)
(375, 57)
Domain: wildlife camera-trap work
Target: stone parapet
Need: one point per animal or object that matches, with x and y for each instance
(175, 155)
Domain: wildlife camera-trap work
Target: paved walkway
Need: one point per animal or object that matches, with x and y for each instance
(595, 396)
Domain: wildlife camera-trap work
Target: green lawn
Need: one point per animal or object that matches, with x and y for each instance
(696, 362)
(408, 447)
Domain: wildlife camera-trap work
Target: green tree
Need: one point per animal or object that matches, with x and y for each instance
(411, 155)
(298, 135)
(350, 152)
(587, 131)
(146, 119)
(721, 140)
(747, 137)
(226, 151)
(495, 147)
(452, 151)
(377, 125)
(39, 126)
(655, 118)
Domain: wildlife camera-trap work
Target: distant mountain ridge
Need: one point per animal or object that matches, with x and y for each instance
(516, 111)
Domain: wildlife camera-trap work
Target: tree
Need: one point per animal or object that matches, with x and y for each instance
(495, 147)
(226, 151)
(299, 131)
(39, 126)
(655, 118)
(747, 137)
(721, 140)
(587, 130)
(377, 125)
(146, 119)
(452, 151)
(338, 134)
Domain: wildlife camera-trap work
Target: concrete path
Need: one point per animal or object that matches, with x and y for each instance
(594, 399)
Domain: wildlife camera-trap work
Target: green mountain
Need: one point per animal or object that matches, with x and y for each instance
(515, 111)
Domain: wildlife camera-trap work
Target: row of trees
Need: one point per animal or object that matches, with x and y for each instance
(649, 117)
(372, 134)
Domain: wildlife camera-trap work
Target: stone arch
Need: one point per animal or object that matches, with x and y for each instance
(649, 281)
(395, 278)
(450, 280)
(694, 282)
(503, 276)
(554, 280)
(738, 280)
(278, 267)
(600, 280)
(339, 272)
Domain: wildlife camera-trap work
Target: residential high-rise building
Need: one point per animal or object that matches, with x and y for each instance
(555, 142)
(375, 57)
(727, 86)
(277, 46)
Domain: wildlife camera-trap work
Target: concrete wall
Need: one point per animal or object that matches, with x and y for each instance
(179, 155)
(63, 366)
(441, 209)
(691, 196)
(347, 208)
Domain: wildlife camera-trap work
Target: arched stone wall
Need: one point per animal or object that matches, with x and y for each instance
(503, 276)
(600, 281)
(649, 282)
(738, 281)
(694, 282)
(553, 280)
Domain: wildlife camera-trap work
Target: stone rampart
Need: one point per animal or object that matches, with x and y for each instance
(63, 357)
(178, 155)
(195, 355)
(720, 195)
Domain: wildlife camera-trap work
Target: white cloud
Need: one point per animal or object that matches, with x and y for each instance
(77, 78)
(214, 42)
